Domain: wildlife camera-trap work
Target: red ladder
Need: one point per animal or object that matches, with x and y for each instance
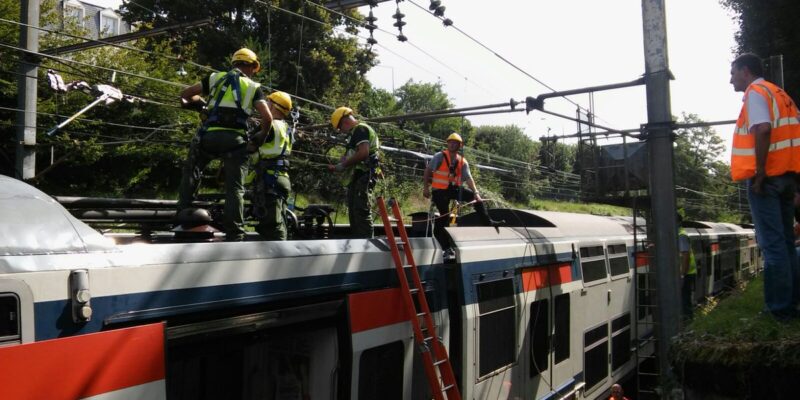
(437, 363)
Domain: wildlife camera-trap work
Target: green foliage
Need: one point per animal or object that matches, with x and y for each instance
(510, 142)
(769, 28)
(414, 97)
(735, 332)
(298, 55)
(704, 187)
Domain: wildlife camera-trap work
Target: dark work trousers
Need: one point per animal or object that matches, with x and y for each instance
(272, 225)
(687, 287)
(441, 198)
(228, 146)
(359, 202)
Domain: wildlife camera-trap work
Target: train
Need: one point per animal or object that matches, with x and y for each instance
(547, 306)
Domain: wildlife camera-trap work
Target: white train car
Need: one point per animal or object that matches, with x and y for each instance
(543, 308)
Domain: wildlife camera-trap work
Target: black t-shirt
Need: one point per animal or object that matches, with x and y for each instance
(360, 134)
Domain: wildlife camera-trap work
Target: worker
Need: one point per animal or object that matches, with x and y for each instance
(269, 175)
(446, 174)
(362, 156)
(764, 154)
(688, 270)
(617, 393)
(232, 97)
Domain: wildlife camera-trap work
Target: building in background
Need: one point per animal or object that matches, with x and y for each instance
(100, 17)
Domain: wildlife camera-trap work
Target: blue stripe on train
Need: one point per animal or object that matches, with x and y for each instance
(54, 318)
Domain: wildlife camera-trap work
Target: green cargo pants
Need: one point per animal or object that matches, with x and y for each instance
(272, 224)
(359, 202)
(228, 146)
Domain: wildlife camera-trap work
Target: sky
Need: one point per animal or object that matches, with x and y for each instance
(566, 44)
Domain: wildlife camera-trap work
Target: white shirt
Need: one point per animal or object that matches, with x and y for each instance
(757, 107)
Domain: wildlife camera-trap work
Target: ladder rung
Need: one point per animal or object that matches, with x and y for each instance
(448, 387)
(400, 242)
(413, 290)
(648, 374)
(407, 266)
(439, 362)
(427, 339)
(420, 314)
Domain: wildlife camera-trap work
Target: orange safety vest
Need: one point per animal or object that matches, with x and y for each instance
(448, 174)
(784, 146)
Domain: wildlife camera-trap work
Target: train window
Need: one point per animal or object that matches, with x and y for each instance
(617, 249)
(496, 323)
(619, 265)
(620, 341)
(381, 372)
(592, 251)
(561, 328)
(595, 355)
(9, 318)
(593, 270)
(540, 339)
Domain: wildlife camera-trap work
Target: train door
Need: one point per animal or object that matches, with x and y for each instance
(620, 298)
(593, 309)
(716, 281)
(546, 347)
(382, 346)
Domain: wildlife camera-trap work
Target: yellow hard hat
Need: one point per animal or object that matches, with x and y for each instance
(282, 100)
(456, 137)
(340, 113)
(246, 55)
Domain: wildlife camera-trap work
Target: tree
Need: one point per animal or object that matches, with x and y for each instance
(418, 97)
(508, 148)
(300, 51)
(770, 28)
(701, 178)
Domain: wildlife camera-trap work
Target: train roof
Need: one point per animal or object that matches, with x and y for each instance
(568, 224)
(32, 222)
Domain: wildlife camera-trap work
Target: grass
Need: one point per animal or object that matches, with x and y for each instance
(733, 331)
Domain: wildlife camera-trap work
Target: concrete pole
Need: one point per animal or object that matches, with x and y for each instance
(663, 229)
(26, 92)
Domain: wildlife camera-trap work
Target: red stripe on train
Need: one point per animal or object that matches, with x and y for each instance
(83, 366)
(537, 277)
(370, 310)
(714, 246)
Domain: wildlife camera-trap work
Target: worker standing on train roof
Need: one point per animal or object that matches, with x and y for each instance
(269, 172)
(765, 153)
(363, 158)
(232, 97)
(688, 270)
(447, 173)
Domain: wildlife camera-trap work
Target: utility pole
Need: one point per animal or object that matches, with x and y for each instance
(26, 91)
(662, 186)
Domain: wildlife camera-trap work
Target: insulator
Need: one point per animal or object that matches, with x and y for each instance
(402, 37)
(447, 22)
(371, 40)
(372, 3)
(399, 24)
(439, 12)
(371, 27)
(434, 4)
(371, 18)
(398, 14)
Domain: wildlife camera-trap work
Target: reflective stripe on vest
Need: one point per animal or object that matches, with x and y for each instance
(275, 148)
(442, 178)
(247, 87)
(784, 148)
(692, 264)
